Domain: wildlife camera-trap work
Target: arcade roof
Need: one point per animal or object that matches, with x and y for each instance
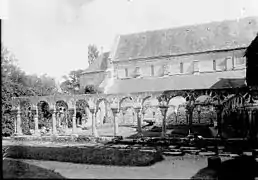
(214, 80)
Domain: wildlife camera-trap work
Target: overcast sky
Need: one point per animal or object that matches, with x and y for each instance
(51, 36)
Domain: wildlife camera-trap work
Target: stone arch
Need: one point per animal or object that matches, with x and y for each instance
(63, 118)
(102, 107)
(128, 116)
(174, 104)
(124, 99)
(203, 112)
(145, 99)
(203, 99)
(234, 115)
(83, 114)
(181, 115)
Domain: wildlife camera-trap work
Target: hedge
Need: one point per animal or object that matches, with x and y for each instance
(64, 139)
(87, 155)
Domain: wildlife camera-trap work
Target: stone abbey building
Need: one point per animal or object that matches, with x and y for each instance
(203, 56)
(180, 76)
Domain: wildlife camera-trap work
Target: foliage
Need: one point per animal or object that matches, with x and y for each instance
(15, 83)
(71, 85)
(91, 89)
(87, 155)
(93, 53)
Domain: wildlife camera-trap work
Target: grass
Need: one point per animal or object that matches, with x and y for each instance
(14, 169)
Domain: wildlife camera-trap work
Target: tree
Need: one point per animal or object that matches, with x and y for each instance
(71, 84)
(93, 53)
(15, 83)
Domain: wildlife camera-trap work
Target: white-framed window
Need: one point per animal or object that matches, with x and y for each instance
(196, 66)
(126, 72)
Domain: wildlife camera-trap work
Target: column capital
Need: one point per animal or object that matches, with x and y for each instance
(115, 110)
(137, 109)
(92, 110)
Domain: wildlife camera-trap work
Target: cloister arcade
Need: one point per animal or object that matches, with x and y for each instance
(171, 108)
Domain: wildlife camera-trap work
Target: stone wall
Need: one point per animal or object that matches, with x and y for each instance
(224, 60)
(94, 78)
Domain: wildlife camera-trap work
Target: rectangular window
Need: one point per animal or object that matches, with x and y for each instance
(196, 66)
(181, 67)
(152, 70)
(214, 65)
(126, 72)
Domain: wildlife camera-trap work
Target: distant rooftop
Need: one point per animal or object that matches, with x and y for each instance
(100, 64)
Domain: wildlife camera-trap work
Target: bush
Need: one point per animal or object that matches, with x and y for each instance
(87, 155)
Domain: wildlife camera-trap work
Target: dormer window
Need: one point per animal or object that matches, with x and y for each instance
(181, 67)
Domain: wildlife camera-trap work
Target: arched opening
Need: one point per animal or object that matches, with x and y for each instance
(125, 104)
(44, 117)
(172, 113)
(82, 115)
(63, 118)
(102, 107)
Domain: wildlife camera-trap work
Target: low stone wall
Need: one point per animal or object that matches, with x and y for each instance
(87, 155)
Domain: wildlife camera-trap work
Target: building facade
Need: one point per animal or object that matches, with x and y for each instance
(191, 57)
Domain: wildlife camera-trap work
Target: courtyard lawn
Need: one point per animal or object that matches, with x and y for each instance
(15, 169)
(171, 168)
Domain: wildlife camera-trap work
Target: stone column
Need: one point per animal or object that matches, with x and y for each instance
(250, 124)
(189, 116)
(36, 121)
(139, 121)
(219, 109)
(19, 121)
(124, 116)
(163, 109)
(94, 129)
(54, 132)
(74, 121)
(115, 121)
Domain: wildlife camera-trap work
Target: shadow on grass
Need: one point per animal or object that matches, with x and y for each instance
(243, 167)
(175, 131)
(100, 155)
(15, 169)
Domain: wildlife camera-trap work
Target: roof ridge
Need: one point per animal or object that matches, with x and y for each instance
(187, 26)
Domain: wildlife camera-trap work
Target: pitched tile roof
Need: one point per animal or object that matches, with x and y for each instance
(188, 39)
(216, 80)
(100, 64)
